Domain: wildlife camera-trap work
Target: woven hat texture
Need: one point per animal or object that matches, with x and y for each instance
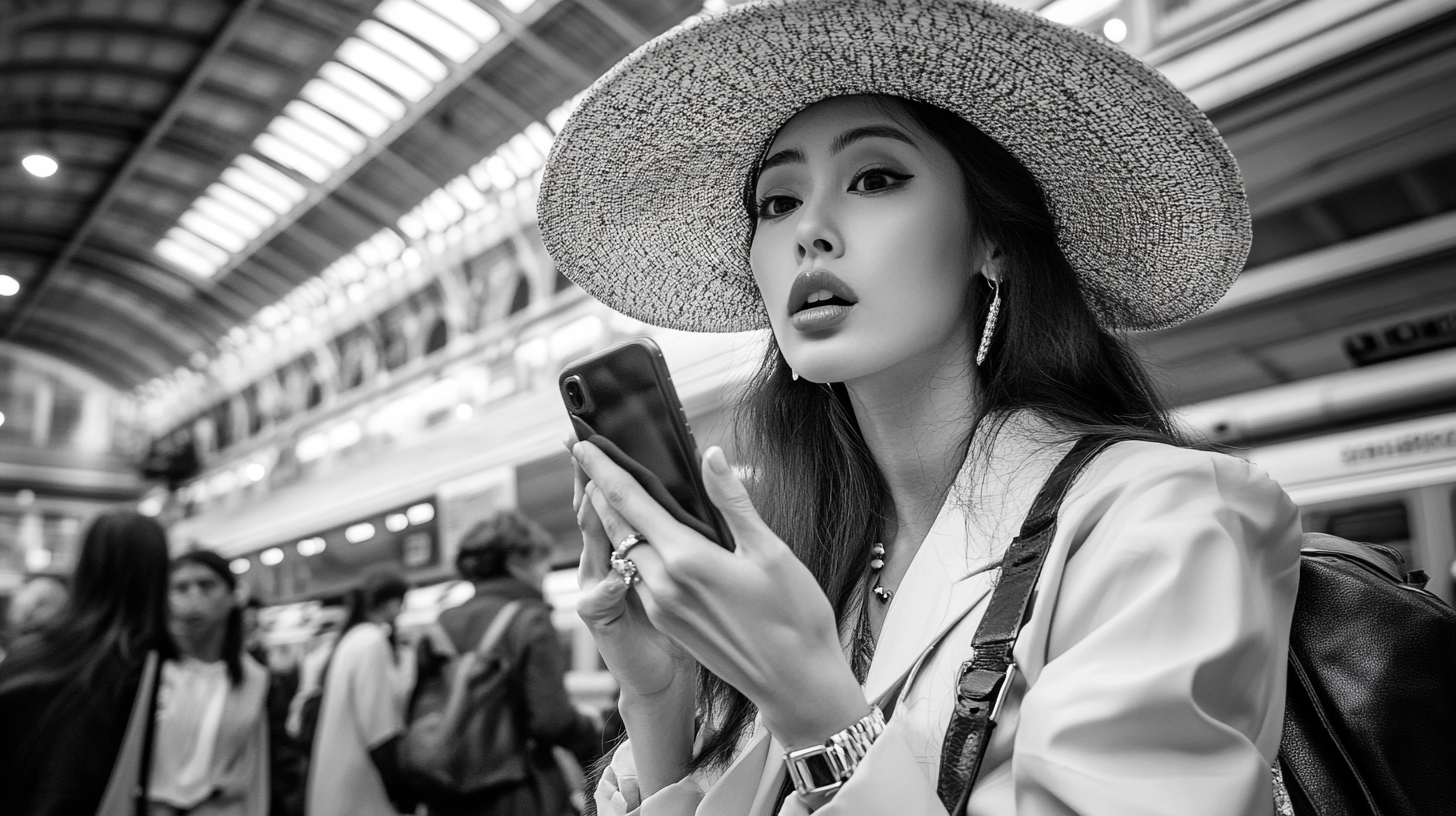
(641, 202)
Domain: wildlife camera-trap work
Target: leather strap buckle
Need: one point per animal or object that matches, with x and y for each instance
(982, 685)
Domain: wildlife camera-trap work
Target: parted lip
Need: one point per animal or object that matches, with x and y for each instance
(813, 280)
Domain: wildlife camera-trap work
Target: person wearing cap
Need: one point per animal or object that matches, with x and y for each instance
(948, 213)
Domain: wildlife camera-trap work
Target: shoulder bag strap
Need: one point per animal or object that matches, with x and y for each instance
(986, 677)
(125, 793)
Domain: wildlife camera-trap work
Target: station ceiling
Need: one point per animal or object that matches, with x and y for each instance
(182, 125)
(174, 119)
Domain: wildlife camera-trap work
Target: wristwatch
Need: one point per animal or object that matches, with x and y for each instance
(822, 769)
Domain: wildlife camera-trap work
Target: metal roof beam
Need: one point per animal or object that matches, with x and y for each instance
(230, 30)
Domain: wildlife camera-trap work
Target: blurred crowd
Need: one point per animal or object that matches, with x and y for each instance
(139, 684)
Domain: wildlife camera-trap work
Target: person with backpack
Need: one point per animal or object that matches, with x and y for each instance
(354, 763)
(76, 696)
(499, 654)
(976, 569)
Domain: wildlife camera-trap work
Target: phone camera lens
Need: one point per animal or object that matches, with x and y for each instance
(575, 394)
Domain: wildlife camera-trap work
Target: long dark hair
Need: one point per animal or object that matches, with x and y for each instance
(117, 612)
(816, 484)
(377, 588)
(232, 637)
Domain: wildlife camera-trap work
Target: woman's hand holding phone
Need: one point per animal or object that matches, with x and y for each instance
(754, 616)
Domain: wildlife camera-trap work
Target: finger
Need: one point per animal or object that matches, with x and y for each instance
(732, 500)
(648, 561)
(641, 513)
(596, 545)
(578, 476)
(602, 603)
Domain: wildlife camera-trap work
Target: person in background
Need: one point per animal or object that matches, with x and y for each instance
(311, 675)
(210, 751)
(36, 604)
(354, 769)
(507, 557)
(67, 693)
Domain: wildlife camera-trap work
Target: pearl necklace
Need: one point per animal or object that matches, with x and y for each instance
(877, 563)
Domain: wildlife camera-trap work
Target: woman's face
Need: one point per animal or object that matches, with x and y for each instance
(200, 600)
(863, 250)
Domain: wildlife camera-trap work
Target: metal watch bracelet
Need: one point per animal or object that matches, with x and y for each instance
(820, 770)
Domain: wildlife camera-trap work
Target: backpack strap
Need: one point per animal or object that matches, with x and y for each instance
(498, 627)
(987, 676)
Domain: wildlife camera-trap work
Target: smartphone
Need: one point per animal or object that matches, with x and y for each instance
(622, 400)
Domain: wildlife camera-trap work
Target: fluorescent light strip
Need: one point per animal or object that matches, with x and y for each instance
(328, 127)
(270, 178)
(291, 157)
(404, 48)
(310, 141)
(213, 253)
(435, 31)
(373, 62)
(345, 106)
(245, 221)
(211, 231)
(247, 205)
(185, 258)
(364, 89)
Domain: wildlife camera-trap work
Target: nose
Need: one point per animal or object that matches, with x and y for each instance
(817, 233)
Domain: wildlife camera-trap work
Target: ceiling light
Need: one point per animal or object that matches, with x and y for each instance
(2, 417)
(240, 566)
(310, 141)
(255, 472)
(518, 6)
(311, 546)
(8, 286)
(394, 522)
(404, 48)
(185, 258)
(464, 411)
(363, 531)
(249, 207)
(365, 89)
(433, 29)
(212, 231)
(249, 221)
(257, 176)
(1115, 30)
(40, 165)
(345, 106)
(420, 513)
(372, 61)
(291, 157)
(1075, 12)
(271, 557)
(327, 126)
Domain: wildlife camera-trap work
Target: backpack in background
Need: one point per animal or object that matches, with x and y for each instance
(1370, 710)
(463, 734)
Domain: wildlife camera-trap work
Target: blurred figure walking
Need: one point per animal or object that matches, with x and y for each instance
(210, 754)
(67, 694)
(354, 769)
(35, 605)
(507, 557)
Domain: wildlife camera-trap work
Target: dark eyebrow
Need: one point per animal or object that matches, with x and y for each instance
(782, 157)
(849, 137)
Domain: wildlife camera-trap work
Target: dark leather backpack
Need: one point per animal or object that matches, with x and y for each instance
(1370, 712)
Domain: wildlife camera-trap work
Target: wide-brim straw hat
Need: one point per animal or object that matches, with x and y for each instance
(641, 202)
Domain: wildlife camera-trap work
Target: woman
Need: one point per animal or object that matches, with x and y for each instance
(945, 211)
(210, 754)
(507, 557)
(354, 766)
(67, 692)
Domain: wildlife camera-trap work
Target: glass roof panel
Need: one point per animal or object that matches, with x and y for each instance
(363, 88)
(345, 106)
(185, 258)
(372, 61)
(215, 255)
(213, 231)
(291, 157)
(310, 141)
(433, 29)
(406, 49)
(245, 204)
(331, 128)
(269, 178)
(245, 222)
(518, 6)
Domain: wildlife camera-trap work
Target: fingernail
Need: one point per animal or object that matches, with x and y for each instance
(576, 450)
(717, 461)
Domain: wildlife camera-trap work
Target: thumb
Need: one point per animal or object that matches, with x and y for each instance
(731, 498)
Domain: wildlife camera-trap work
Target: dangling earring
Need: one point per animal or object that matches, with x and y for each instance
(794, 374)
(991, 315)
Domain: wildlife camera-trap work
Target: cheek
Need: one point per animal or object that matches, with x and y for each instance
(774, 266)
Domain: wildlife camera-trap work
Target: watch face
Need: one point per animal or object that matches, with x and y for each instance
(817, 771)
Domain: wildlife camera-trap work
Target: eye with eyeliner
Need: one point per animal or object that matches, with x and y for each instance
(772, 207)
(895, 177)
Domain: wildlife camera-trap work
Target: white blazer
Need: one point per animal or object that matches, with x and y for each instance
(1151, 669)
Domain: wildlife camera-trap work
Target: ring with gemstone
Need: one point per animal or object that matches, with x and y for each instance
(621, 564)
